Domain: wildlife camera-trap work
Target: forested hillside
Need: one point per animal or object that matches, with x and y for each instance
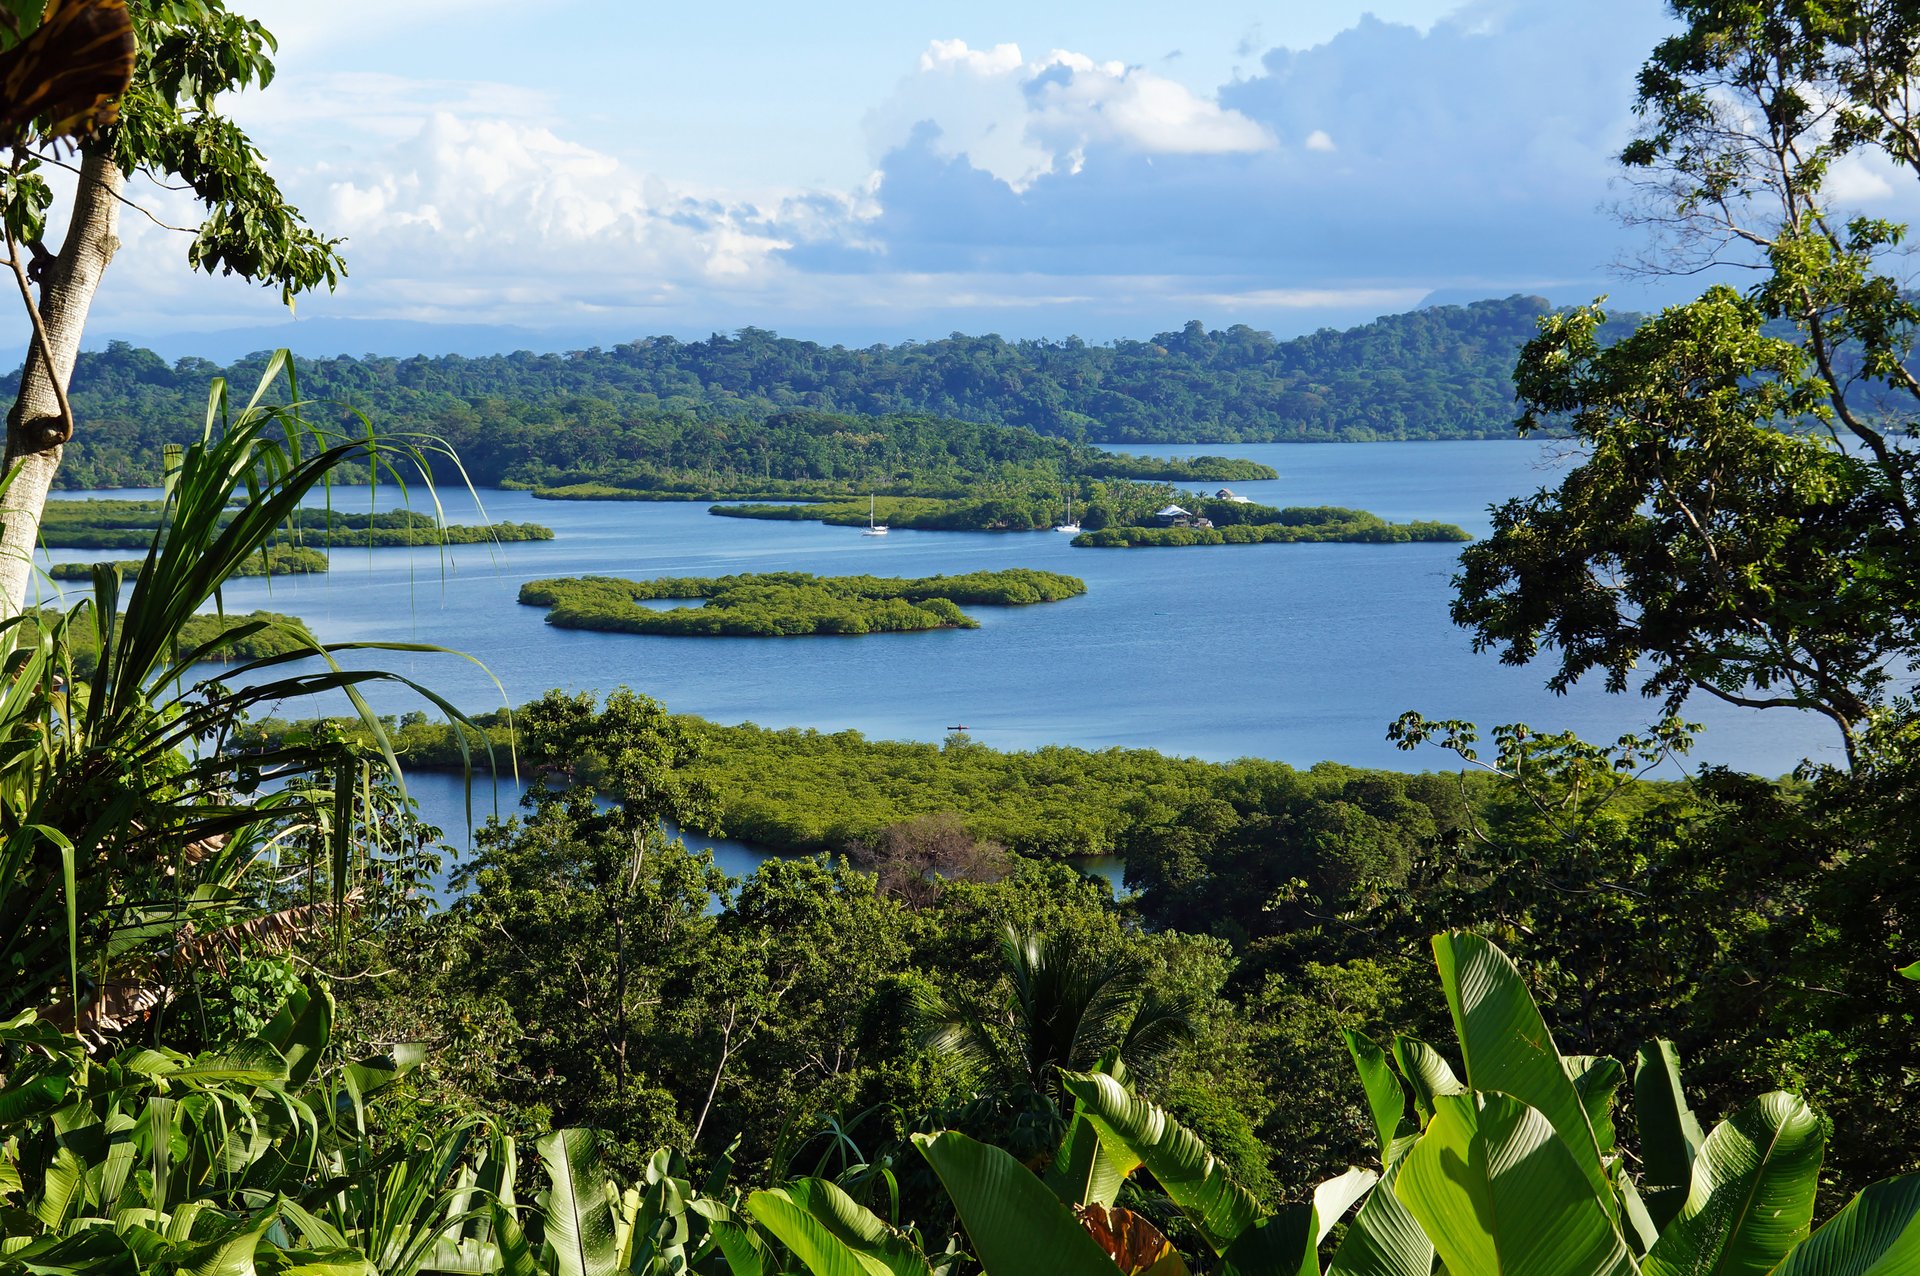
(666, 404)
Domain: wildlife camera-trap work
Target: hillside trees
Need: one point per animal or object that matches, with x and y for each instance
(169, 127)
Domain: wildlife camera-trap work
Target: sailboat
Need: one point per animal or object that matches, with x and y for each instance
(1070, 527)
(872, 528)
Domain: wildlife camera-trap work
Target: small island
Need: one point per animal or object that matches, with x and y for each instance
(789, 604)
(124, 524)
(1246, 524)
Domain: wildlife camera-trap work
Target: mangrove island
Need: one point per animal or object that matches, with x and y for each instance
(789, 604)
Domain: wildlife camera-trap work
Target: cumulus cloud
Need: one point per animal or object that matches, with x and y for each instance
(1476, 152)
(1047, 194)
(1021, 120)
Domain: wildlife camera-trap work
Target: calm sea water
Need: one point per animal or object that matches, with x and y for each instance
(1302, 653)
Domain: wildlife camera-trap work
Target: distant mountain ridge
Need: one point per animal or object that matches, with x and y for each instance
(1441, 372)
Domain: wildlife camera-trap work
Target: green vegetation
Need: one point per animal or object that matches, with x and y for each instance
(1022, 512)
(237, 1036)
(112, 524)
(567, 433)
(814, 456)
(790, 604)
(1115, 514)
(1294, 524)
(278, 560)
(724, 416)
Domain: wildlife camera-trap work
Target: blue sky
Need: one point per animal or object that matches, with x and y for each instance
(865, 170)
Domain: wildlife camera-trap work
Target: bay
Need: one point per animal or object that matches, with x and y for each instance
(1302, 653)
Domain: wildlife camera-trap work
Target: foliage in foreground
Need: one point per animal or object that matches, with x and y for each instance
(264, 1159)
(225, 639)
(124, 833)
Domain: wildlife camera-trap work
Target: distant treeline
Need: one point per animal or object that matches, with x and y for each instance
(789, 604)
(898, 455)
(1113, 514)
(660, 412)
(1278, 526)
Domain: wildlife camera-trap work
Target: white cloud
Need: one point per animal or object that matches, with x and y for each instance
(1021, 120)
(1048, 194)
(1857, 179)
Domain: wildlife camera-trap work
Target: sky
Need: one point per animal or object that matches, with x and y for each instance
(590, 171)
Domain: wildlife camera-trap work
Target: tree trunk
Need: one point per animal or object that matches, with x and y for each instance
(35, 432)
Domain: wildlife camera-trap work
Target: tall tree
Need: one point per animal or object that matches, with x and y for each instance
(166, 125)
(1745, 524)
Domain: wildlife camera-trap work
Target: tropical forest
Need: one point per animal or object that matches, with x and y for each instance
(440, 835)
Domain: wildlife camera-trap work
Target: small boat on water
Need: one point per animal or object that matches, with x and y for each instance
(872, 528)
(1069, 526)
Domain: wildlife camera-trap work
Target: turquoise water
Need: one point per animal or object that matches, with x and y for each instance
(1298, 652)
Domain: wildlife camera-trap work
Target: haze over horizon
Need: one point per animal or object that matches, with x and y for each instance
(602, 174)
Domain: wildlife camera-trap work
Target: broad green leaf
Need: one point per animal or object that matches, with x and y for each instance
(1016, 1225)
(1427, 1074)
(1085, 1169)
(31, 1096)
(1386, 1101)
(516, 1256)
(1876, 1234)
(1287, 1243)
(832, 1233)
(232, 1255)
(301, 1030)
(1909, 972)
(1384, 1239)
(318, 1263)
(1495, 1189)
(1279, 1245)
(1334, 1197)
(1595, 1079)
(1219, 1208)
(1636, 1225)
(579, 1235)
(65, 1181)
(737, 1246)
(808, 1239)
(250, 1062)
(1751, 1199)
(1670, 1135)
(95, 1249)
(1506, 1046)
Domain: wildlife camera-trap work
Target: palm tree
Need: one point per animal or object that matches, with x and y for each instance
(1058, 1007)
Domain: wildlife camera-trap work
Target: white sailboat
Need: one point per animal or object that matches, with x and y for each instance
(1070, 527)
(872, 528)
